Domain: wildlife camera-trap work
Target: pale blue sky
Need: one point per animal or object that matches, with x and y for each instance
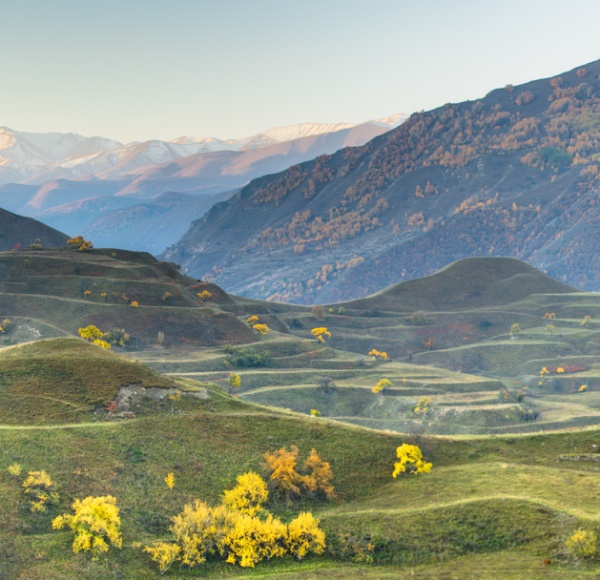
(140, 69)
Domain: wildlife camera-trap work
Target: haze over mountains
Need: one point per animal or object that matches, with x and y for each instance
(515, 173)
(74, 183)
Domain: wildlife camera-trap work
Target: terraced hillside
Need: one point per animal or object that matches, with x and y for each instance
(50, 293)
(452, 363)
(447, 339)
(491, 504)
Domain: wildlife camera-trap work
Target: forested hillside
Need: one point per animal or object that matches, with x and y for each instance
(515, 173)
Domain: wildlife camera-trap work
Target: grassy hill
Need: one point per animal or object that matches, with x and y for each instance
(468, 284)
(65, 381)
(490, 503)
(20, 231)
(54, 292)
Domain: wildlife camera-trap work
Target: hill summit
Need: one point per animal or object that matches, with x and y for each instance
(466, 284)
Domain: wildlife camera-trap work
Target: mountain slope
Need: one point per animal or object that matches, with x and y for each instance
(17, 231)
(512, 174)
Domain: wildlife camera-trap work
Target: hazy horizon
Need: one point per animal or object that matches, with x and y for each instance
(146, 69)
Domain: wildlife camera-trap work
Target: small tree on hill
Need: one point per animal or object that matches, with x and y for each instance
(318, 312)
(320, 333)
(261, 328)
(285, 479)
(204, 295)
(319, 475)
(235, 382)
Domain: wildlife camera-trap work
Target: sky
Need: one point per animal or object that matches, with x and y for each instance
(140, 69)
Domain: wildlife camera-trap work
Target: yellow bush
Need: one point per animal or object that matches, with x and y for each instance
(423, 405)
(410, 461)
(248, 495)
(382, 385)
(198, 530)
(90, 333)
(38, 485)
(251, 540)
(582, 544)
(15, 469)
(261, 328)
(305, 536)
(95, 522)
(204, 295)
(320, 333)
(164, 554)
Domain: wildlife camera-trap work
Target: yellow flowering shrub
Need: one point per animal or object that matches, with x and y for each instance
(582, 544)
(248, 495)
(198, 530)
(204, 295)
(164, 554)
(286, 480)
(305, 536)
(90, 333)
(423, 405)
(381, 386)
(38, 486)
(410, 460)
(250, 540)
(95, 522)
(378, 354)
(261, 328)
(320, 333)
(15, 469)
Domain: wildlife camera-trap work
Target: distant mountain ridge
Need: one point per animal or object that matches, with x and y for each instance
(37, 157)
(73, 188)
(512, 174)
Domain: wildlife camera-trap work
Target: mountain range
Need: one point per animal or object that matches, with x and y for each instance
(75, 183)
(515, 173)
